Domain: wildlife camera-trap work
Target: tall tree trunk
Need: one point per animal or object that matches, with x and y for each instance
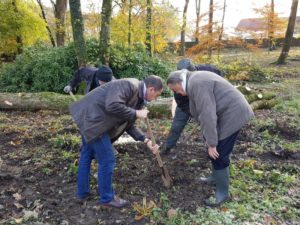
(105, 31)
(271, 27)
(210, 27)
(78, 31)
(222, 29)
(19, 39)
(60, 8)
(288, 34)
(129, 22)
(182, 49)
(47, 25)
(197, 32)
(149, 27)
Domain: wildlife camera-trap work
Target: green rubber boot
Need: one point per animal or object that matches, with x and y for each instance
(222, 188)
(208, 180)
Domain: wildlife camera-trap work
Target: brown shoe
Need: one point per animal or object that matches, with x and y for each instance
(116, 203)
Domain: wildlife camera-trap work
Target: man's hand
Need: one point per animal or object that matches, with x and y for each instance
(154, 149)
(67, 89)
(141, 113)
(212, 151)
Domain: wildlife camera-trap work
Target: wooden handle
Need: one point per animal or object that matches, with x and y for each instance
(73, 96)
(158, 158)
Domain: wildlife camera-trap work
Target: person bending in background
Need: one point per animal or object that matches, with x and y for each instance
(93, 78)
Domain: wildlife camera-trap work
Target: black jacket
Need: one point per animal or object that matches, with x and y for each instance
(86, 74)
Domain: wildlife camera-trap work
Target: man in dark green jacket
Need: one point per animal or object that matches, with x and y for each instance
(102, 116)
(221, 111)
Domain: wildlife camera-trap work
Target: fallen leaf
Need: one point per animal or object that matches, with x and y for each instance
(18, 205)
(8, 103)
(171, 213)
(17, 196)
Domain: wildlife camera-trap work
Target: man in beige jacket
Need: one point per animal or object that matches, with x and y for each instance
(221, 111)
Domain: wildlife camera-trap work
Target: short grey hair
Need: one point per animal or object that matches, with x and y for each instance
(154, 81)
(175, 77)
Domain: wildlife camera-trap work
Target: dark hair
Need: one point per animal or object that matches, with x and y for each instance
(185, 64)
(154, 81)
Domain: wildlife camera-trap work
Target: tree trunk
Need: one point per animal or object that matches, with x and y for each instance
(19, 39)
(60, 14)
(210, 27)
(271, 27)
(288, 34)
(105, 31)
(129, 22)
(222, 29)
(47, 25)
(149, 27)
(182, 49)
(78, 30)
(197, 32)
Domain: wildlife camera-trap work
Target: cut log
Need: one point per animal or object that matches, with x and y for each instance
(35, 101)
(60, 102)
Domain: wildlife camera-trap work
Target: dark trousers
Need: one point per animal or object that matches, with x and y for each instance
(179, 121)
(224, 149)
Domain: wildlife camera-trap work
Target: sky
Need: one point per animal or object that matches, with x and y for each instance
(235, 9)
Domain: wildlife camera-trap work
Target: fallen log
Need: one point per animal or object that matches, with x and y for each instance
(35, 101)
(60, 102)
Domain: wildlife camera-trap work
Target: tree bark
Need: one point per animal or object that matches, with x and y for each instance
(210, 27)
(47, 25)
(271, 27)
(129, 22)
(289, 34)
(78, 30)
(197, 32)
(19, 39)
(222, 29)
(60, 8)
(182, 49)
(105, 31)
(149, 27)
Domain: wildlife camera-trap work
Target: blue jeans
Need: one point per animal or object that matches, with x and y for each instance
(101, 150)
(224, 148)
(179, 121)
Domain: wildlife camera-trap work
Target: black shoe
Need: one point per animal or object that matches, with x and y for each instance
(165, 151)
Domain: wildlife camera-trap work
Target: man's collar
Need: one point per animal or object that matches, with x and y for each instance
(143, 92)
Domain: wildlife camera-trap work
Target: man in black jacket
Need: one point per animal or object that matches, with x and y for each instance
(93, 78)
(182, 112)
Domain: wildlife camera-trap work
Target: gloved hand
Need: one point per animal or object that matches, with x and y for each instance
(67, 89)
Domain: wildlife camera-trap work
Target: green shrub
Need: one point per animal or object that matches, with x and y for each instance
(44, 68)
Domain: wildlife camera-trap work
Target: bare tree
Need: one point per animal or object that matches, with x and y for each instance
(78, 30)
(149, 27)
(182, 50)
(222, 28)
(129, 22)
(289, 33)
(271, 27)
(197, 32)
(105, 31)
(47, 25)
(60, 8)
(19, 38)
(210, 27)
